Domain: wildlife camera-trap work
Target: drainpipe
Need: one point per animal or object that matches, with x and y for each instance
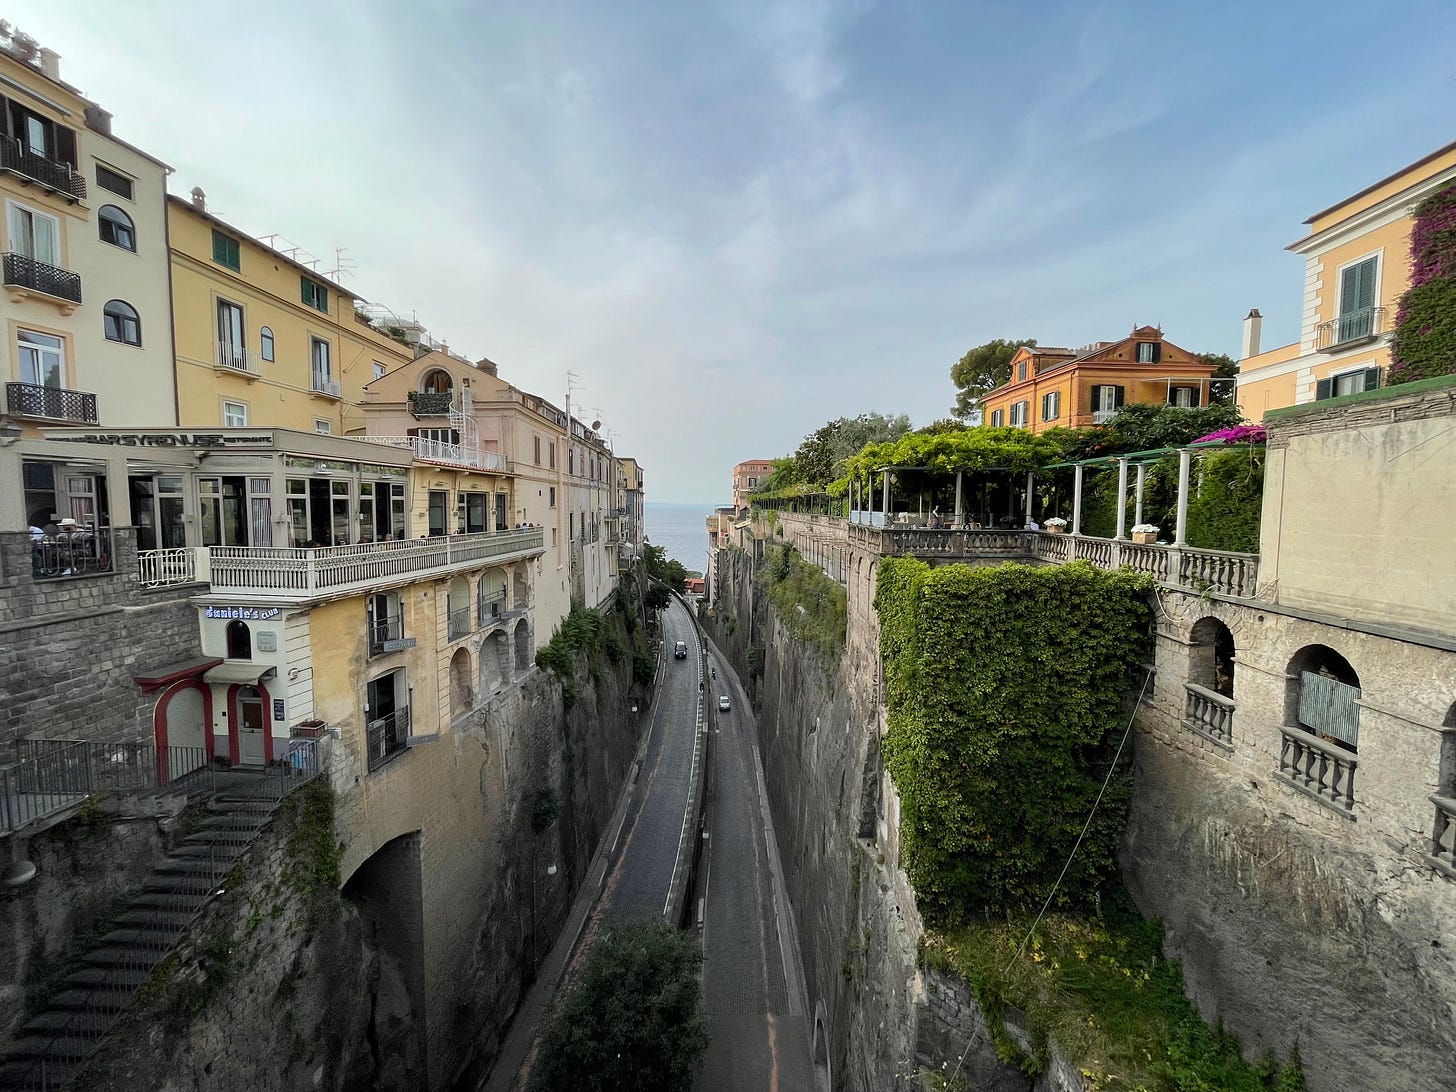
(1121, 499)
(1185, 461)
(1077, 499)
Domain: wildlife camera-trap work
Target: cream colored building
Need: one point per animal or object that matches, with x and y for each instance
(87, 327)
(1356, 268)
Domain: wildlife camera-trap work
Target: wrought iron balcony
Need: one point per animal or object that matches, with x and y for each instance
(388, 737)
(51, 280)
(432, 403)
(1350, 329)
(51, 403)
(56, 176)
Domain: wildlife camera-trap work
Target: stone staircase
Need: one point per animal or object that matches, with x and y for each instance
(51, 1048)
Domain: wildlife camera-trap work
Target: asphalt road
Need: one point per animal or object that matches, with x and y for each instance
(752, 988)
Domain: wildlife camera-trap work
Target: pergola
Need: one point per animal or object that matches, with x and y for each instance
(859, 495)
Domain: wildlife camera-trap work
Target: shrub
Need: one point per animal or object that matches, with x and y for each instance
(1224, 513)
(811, 605)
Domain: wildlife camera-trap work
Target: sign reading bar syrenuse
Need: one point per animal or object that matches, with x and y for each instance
(172, 439)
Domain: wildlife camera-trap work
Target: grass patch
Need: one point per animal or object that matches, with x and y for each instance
(1099, 986)
(812, 606)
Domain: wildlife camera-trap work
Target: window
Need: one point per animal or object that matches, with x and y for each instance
(322, 427)
(1051, 406)
(114, 181)
(1187, 397)
(41, 136)
(378, 370)
(116, 227)
(553, 496)
(752, 483)
(225, 251)
(477, 513)
(322, 373)
(42, 358)
(998, 418)
(265, 340)
(315, 295)
(1018, 414)
(1362, 379)
(438, 381)
(1106, 401)
(239, 641)
(122, 323)
(536, 442)
(230, 347)
(1021, 372)
(34, 234)
(1357, 301)
(234, 415)
(551, 451)
(385, 621)
(1149, 352)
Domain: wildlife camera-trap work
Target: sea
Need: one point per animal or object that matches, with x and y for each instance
(680, 530)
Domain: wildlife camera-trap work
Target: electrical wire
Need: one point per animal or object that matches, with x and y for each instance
(1147, 678)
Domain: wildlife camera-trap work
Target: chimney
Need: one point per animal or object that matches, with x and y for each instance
(487, 365)
(50, 63)
(98, 120)
(199, 199)
(1252, 324)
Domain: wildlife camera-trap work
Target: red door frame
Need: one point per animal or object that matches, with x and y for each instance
(232, 704)
(159, 724)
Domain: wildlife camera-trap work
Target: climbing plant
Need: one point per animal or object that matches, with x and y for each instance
(1223, 513)
(810, 605)
(1006, 692)
(1425, 323)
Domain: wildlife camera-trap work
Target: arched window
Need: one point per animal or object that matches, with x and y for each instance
(123, 324)
(1322, 696)
(239, 641)
(116, 227)
(437, 382)
(265, 339)
(1211, 659)
(461, 700)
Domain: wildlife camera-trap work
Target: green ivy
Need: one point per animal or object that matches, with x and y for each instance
(1006, 693)
(580, 631)
(1424, 344)
(1223, 514)
(811, 605)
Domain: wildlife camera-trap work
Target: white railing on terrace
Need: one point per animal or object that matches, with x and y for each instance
(288, 572)
(438, 451)
(166, 568)
(237, 358)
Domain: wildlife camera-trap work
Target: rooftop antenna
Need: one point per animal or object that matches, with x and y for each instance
(342, 266)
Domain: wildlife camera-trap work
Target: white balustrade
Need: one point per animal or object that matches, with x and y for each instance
(166, 568)
(439, 451)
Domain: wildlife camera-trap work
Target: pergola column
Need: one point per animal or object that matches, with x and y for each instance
(1121, 499)
(1142, 473)
(1077, 499)
(960, 519)
(1185, 463)
(885, 501)
(1030, 481)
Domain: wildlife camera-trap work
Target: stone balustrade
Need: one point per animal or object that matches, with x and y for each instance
(1318, 768)
(1210, 714)
(1443, 837)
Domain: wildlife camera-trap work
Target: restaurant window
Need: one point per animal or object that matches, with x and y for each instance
(339, 496)
(260, 511)
(239, 641)
(297, 497)
(438, 506)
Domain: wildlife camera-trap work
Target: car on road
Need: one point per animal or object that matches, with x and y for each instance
(724, 705)
(681, 651)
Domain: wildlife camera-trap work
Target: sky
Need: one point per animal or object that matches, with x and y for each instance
(733, 221)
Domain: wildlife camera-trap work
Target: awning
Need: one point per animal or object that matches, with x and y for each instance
(241, 672)
(157, 678)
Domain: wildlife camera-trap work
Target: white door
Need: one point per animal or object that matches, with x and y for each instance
(250, 727)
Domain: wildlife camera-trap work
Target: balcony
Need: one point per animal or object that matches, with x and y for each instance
(26, 277)
(387, 636)
(169, 568)
(1102, 416)
(52, 175)
(1443, 838)
(78, 553)
(388, 737)
(459, 623)
(325, 386)
(1318, 768)
(438, 451)
(50, 403)
(297, 574)
(1349, 330)
(235, 358)
(431, 403)
(1209, 714)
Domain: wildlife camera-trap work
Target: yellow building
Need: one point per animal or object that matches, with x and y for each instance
(263, 340)
(1356, 268)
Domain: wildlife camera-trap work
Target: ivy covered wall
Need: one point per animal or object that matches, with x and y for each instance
(1425, 324)
(1005, 692)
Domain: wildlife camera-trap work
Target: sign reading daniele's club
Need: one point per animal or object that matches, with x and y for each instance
(246, 614)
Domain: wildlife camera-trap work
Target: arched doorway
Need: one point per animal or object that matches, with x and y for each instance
(1322, 695)
(1211, 658)
(521, 644)
(182, 724)
(495, 663)
(460, 696)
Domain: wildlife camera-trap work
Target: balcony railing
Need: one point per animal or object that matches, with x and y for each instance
(459, 620)
(438, 451)
(1102, 416)
(75, 553)
(388, 736)
(432, 403)
(301, 572)
(53, 174)
(51, 280)
(1350, 328)
(1325, 771)
(52, 403)
(167, 568)
(238, 359)
(384, 634)
(1210, 714)
(322, 384)
(1443, 838)
(491, 609)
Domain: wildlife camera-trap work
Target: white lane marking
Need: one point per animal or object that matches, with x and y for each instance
(682, 841)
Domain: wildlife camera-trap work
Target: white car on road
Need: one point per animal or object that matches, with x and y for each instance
(724, 705)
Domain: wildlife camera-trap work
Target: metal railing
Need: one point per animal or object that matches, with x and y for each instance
(51, 280)
(440, 451)
(167, 568)
(53, 403)
(1350, 327)
(322, 384)
(1325, 771)
(238, 359)
(1102, 416)
(459, 623)
(388, 737)
(71, 553)
(1210, 714)
(1443, 836)
(383, 632)
(54, 174)
(491, 608)
(303, 571)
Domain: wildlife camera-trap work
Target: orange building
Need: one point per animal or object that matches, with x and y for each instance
(747, 477)
(1070, 388)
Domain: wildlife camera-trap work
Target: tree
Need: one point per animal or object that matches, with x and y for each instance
(635, 1021)
(1224, 367)
(982, 369)
(821, 457)
(668, 570)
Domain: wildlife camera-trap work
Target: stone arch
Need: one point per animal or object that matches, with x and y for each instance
(1321, 694)
(1211, 656)
(495, 662)
(490, 596)
(437, 381)
(521, 645)
(461, 699)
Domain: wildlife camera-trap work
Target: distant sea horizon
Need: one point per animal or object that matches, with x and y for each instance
(680, 530)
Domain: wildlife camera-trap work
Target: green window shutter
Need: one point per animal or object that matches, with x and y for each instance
(1372, 379)
(225, 250)
(321, 298)
(1349, 289)
(1197, 397)
(1365, 293)
(306, 290)
(1325, 388)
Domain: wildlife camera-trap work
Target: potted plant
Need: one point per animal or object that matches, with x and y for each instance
(1055, 526)
(1145, 533)
(309, 729)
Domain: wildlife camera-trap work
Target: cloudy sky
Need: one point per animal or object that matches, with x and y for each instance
(735, 220)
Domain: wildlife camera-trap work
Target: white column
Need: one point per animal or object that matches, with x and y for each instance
(1030, 481)
(885, 501)
(1142, 473)
(1077, 499)
(960, 518)
(1185, 461)
(1121, 499)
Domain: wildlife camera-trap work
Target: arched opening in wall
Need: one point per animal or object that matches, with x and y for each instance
(1322, 693)
(521, 642)
(522, 589)
(457, 608)
(182, 722)
(387, 890)
(461, 700)
(823, 1069)
(1211, 657)
(239, 641)
(495, 663)
(437, 381)
(490, 597)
